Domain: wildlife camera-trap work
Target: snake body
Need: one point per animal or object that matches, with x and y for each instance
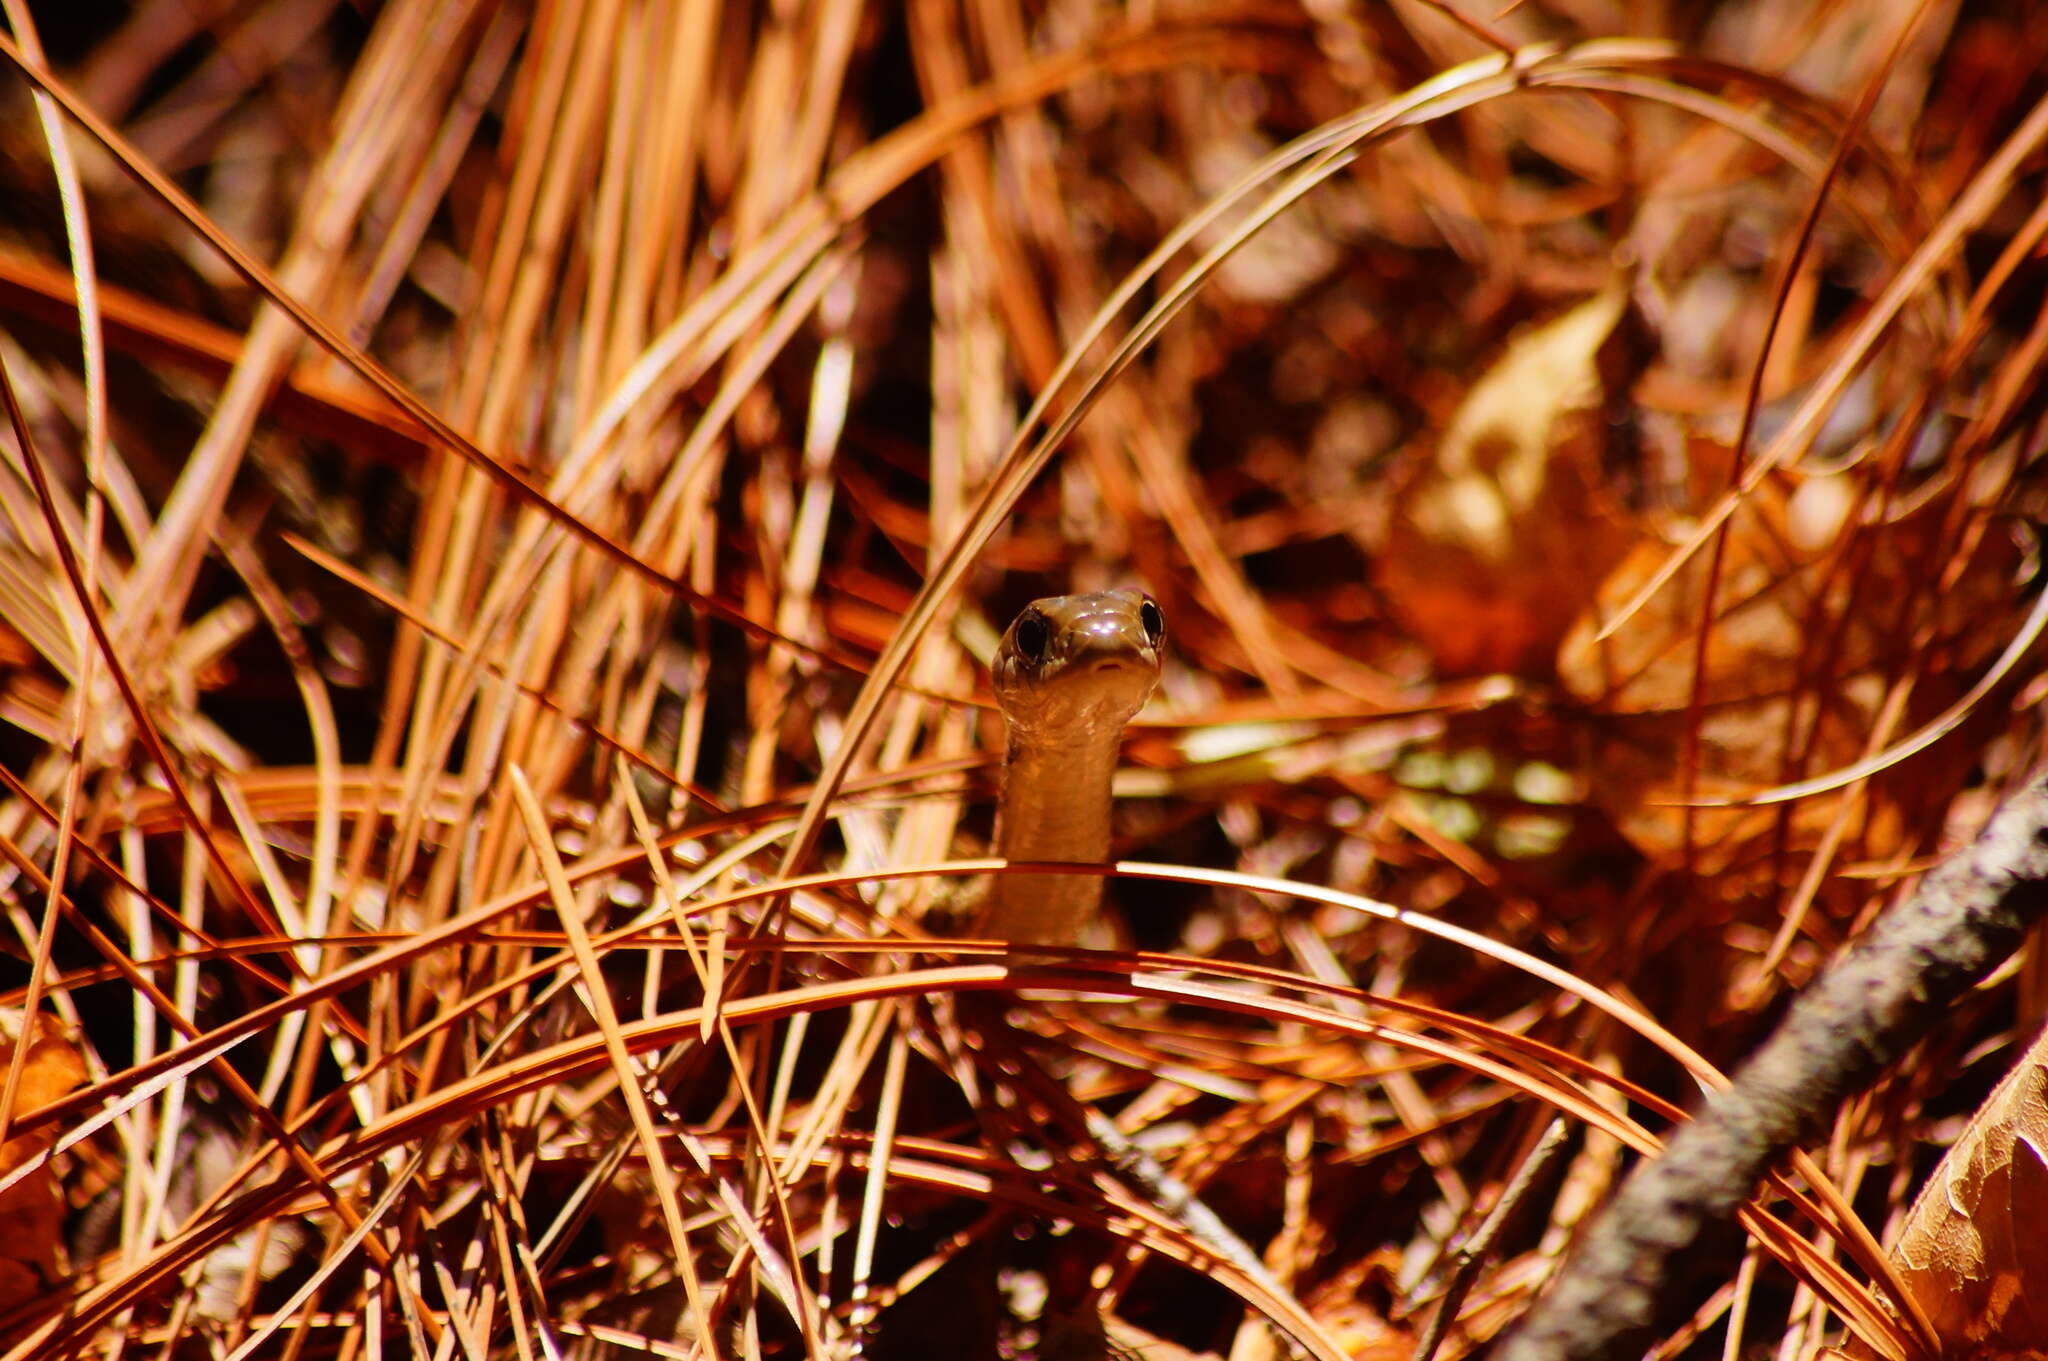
(1070, 672)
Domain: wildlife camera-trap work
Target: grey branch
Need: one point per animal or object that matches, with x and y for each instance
(1638, 1267)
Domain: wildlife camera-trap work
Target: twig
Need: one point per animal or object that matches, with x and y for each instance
(1631, 1273)
(1472, 1256)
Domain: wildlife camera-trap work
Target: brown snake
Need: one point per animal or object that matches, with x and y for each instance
(1070, 672)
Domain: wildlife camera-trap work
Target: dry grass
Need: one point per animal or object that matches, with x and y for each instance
(489, 710)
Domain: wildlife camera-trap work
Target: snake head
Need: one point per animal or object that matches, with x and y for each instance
(1072, 666)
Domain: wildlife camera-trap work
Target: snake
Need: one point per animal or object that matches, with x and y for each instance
(1070, 672)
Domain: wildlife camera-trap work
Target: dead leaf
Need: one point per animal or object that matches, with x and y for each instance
(1971, 1251)
(1498, 544)
(32, 1210)
(1806, 642)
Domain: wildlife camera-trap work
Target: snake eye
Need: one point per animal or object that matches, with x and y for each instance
(1031, 633)
(1153, 621)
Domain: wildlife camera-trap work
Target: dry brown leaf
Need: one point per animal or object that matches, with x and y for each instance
(32, 1210)
(1797, 671)
(1498, 544)
(1966, 1251)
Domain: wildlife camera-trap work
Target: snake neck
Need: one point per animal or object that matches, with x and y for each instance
(1055, 807)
